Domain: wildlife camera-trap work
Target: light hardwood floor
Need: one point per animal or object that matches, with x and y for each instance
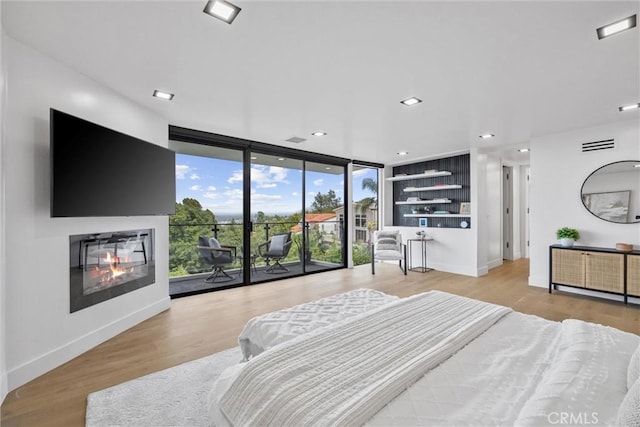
(197, 326)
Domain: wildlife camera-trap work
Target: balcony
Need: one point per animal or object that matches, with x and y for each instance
(187, 271)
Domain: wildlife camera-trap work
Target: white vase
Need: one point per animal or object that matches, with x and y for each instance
(566, 242)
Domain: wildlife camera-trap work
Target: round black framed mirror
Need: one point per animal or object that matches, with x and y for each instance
(612, 192)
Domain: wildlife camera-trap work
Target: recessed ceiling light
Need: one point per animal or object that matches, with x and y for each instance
(411, 101)
(253, 157)
(637, 166)
(319, 133)
(328, 168)
(402, 153)
(281, 159)
(222, 9)
(524, 150)
(487, 136)
(629, 107)
(163, 95)
(616, 27)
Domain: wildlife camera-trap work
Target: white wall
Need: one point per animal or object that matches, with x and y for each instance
(3, 365)
(40, 332)
(558, 169)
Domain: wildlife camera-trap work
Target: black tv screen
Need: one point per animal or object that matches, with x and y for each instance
(96, 171)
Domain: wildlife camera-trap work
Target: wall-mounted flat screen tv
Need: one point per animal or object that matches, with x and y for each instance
(96, 171)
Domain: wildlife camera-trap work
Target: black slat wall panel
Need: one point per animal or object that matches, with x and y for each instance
(459, 166)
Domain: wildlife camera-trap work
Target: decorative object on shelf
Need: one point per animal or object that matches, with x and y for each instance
(465, 208)
(422, 222)
(624, 247)
(413, 199)
(441, 212)
(567, 236)
(421, 210)
(464, 224)
(421, 234)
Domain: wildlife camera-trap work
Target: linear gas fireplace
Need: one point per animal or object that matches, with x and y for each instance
(106, 265)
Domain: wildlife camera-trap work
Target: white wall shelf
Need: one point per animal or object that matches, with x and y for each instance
(419, 175)
(433, 188)
(424, 202)
(435, 215)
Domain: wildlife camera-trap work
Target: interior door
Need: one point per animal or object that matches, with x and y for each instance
(507, 212)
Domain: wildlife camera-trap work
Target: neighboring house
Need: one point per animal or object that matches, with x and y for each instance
(361, 221)
(324, 222)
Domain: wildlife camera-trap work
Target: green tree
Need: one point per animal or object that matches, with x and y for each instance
(189, 222)
(323, 203)
(368, 202)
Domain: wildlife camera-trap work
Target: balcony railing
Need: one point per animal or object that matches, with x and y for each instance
(324, 242)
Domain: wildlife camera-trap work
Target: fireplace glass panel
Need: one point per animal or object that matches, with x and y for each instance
(108, 264)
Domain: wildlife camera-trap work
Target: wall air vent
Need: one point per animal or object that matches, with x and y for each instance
(606, 144)
(296, 139)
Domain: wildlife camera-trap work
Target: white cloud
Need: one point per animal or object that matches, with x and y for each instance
(361, 172)
(318, 182)
(258, 197)
(211, 195)
(196, 188)
(262, 176)
(211, 188)
(312, 193)
(182, 171)
(194, 177)
(278, 173)
(294, 194)
(235, 193)
(236, 177)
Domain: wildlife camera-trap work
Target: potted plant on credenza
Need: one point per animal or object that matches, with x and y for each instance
(567, 236)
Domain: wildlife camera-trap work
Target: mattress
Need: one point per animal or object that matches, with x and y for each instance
(524, 370)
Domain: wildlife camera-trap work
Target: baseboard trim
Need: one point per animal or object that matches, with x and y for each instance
(4, 388)
(495, 263)
(32, 369)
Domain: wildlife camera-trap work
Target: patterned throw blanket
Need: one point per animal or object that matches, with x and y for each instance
(344, 375)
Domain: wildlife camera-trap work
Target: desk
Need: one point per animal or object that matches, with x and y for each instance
(423, 251)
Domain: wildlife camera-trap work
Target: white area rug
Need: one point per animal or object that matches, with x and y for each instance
(174, 397)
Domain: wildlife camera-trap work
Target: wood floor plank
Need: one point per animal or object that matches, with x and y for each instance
(200, 325)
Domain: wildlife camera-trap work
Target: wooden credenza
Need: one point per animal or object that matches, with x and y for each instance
(597, 269)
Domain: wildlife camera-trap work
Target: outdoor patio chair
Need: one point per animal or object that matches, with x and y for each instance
(276, 250)
(217, 256)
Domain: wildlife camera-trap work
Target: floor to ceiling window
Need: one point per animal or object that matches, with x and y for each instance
(365, 211)
(266, 212)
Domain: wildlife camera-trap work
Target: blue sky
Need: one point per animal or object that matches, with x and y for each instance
(217, 185)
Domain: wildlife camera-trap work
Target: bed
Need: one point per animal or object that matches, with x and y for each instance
(367, 358)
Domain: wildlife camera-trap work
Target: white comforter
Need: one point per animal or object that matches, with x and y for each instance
(524, 370)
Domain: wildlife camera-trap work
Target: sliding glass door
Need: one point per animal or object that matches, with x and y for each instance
(323, 228)
(209, 213)
(249, 215)
(275, 200)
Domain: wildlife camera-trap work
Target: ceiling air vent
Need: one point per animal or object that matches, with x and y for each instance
(606, 144)
(296, 139)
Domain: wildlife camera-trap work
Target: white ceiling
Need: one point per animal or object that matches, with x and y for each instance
(515, 69)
